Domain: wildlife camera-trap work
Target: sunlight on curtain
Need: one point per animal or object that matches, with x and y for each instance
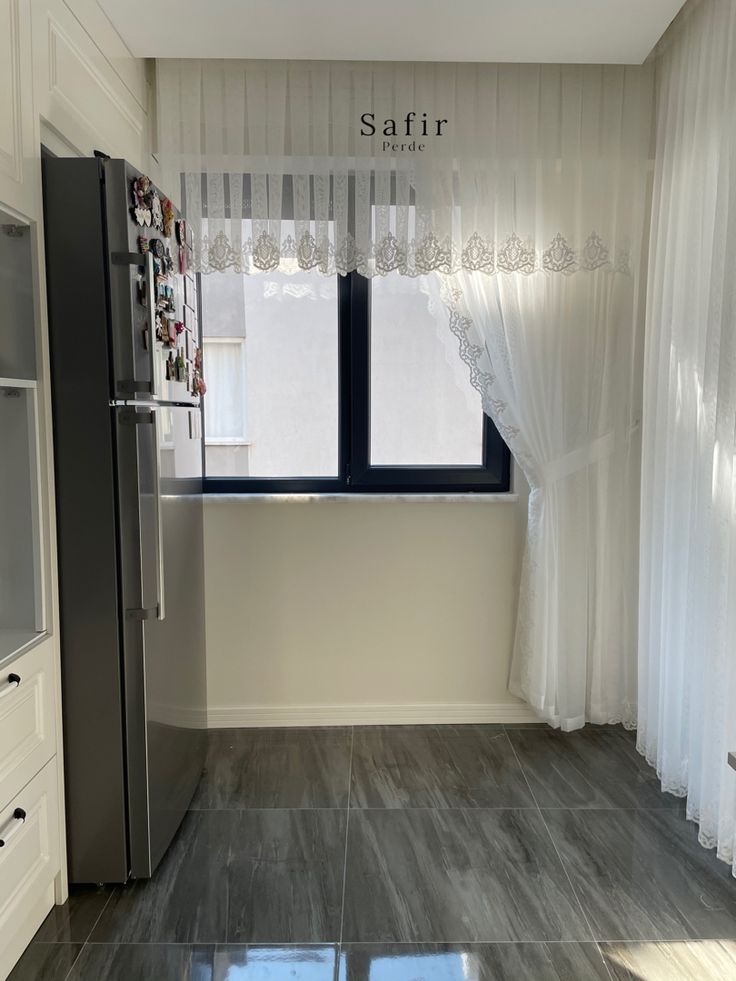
(557, 362)
(687, 630)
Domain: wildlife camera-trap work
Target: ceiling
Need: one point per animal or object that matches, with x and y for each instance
(592, 31)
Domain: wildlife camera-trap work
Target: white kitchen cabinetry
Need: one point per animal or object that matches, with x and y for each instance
(66, 78)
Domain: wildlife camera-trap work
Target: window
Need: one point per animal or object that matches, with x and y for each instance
(339, 384)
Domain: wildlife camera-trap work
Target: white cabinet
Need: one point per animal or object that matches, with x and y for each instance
(21, 585)
(27, 732)
(17, 164)
(66, 74)
(29, 862)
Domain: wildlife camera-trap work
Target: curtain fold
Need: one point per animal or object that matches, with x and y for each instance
(523, 168)
(557, 361)
(687, 630)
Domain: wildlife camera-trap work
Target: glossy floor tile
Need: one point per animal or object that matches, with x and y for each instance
(258, 876)
(186, 901)
(452, 875)
(436, 766)
(275, 768)
(144, 962)
(479, 962)
(75, 920)
(275, 963)
(593, 767)
(285, 877)
(46, 962)
(441, 867)
(641, 875)
(694, 960)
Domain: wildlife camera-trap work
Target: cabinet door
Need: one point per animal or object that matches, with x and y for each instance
(29, 861)
(27, 719)
(18, 165)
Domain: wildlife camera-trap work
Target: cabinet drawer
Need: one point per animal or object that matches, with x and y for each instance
(29, 857)
(27, 719)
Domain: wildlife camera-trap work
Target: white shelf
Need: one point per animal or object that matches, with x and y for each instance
(15, 641)
(17, 383)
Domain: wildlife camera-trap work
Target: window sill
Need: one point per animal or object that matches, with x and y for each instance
(357, 498)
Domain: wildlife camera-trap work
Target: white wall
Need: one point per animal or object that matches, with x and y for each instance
(349, 611)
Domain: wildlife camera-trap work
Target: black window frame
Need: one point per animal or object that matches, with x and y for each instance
(356, 474)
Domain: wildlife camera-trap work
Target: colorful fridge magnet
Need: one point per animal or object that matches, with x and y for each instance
(143, 244)
(157, 213)
(168, 213)
(142, 193)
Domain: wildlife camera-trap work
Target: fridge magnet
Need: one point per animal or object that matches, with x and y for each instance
(142, 193)
(168, 261)
(181, 231)
(170, 367)
(168, 212)
(143, 245)
(157, 247)
(157, 213)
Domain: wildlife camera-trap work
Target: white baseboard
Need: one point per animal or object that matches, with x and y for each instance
(451, 713)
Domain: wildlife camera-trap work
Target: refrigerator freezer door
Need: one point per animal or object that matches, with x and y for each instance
(164, 666)
(139, 360)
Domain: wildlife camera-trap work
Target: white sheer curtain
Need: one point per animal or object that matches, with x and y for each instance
(557, 361)
(687, 648)
(277, 173)
(534, 203)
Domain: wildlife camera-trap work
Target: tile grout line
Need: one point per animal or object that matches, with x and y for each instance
(345, 856)
(87, 938)
(559, 858)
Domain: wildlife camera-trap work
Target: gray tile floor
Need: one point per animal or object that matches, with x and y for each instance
(414, 853)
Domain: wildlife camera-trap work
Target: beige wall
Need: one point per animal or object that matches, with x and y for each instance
(349, 611)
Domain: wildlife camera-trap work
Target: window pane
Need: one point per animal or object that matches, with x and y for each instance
(289, 368)
(424, 411)
(225, 419)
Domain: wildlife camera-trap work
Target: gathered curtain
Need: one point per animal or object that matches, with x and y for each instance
(288, 165)
(687, 629)
(557, 360)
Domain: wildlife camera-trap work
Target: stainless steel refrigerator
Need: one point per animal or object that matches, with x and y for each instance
(128, 461)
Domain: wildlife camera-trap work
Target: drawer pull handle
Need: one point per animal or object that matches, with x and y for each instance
(13, 683)
(19, 817)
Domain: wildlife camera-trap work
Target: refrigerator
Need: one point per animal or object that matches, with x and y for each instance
(123, 310)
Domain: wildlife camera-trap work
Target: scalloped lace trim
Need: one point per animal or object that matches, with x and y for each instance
(416, 257)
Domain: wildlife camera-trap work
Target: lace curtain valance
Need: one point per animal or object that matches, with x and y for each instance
(409, 167)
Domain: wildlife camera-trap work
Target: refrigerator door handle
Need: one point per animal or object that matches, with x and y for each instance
(160, 576)
(152, 300)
